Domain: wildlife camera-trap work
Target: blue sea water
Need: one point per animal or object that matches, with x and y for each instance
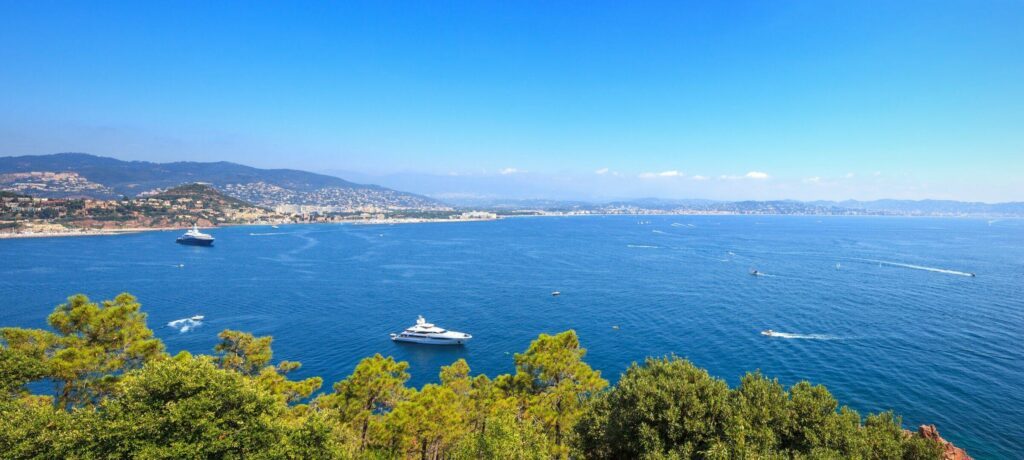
(877, 309)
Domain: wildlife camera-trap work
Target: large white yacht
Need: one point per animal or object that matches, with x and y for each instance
(194, 237)
(424, 332)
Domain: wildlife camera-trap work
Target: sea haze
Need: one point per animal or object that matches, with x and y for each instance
(881, 310)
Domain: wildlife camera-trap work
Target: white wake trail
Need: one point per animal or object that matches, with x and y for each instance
(921, 267)
(184, 325)
(788, 335)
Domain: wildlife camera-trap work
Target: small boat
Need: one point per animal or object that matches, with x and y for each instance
(274, 226)
(197, 318)
(556, 293)
(768, 332)
(427, 333)
(194, 237)
(754, 272)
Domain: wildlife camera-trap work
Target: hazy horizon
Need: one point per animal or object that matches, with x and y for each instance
(826, 100)
(499, 186)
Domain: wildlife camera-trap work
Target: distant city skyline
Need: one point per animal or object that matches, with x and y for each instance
(821, 100)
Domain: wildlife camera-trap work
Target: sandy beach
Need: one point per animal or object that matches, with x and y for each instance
(122, 231)
(91, 232)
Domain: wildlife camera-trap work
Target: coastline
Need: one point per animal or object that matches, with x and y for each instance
(127, 231)
(92, 232)
(404, 221)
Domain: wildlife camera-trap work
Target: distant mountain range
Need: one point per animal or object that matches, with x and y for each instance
(84, 175)
(848, 207)
(79, 175)
(930, 207)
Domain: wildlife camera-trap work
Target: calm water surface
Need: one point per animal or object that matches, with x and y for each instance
(877, 309)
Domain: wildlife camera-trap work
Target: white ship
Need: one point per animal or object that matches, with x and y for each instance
(194, 237)
(424, 332)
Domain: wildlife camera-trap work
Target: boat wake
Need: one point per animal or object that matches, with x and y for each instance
(677, 224)
(185, 324)
(921, 267)
(658, 231)
(641, 246)
(788, 335)
(268, 234)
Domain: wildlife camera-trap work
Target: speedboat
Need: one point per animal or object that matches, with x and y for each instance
(556, 293)
(197, 318)
(754, 272)
(195, 238)
(768, 332)
(424, 332)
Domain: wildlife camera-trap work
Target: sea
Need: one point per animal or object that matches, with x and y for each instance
(884, 311)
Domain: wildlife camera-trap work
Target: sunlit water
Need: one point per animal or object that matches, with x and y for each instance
(881, 310)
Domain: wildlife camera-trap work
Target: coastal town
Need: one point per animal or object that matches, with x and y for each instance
(330, 199)
(23, 214)
(52, 184)
(180, 207)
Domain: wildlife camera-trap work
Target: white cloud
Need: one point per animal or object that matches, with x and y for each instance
(508, 171)
(850, 175)
(812, 180)
(601, 171)
(699, 177)
(756, 175)
(670, 173)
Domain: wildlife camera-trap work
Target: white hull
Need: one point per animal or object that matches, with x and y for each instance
(431, 340)
(429, 334)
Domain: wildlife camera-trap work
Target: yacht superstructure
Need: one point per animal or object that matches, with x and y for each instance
(427, 333)
(195, 238)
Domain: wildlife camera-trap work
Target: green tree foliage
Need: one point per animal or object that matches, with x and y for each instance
(186, 407)
(504, 437)
(119, 396)
(556, 382)
(669, 408)
(457, 378)
(92, 345)
(428, 423)
(32, 428)
(375, 387)
(316, 435)
(19, 366)
(243, 353)
(759, 408)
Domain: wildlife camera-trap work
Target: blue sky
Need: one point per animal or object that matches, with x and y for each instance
(729, 100)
